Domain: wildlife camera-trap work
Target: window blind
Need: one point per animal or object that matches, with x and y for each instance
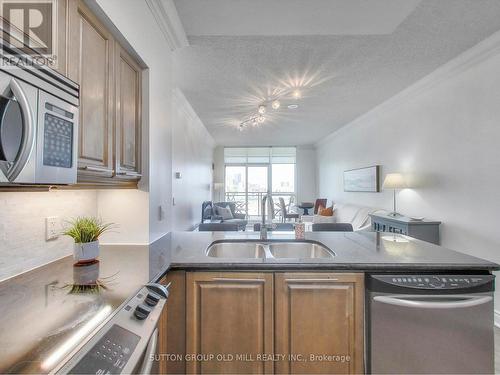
(259, 155)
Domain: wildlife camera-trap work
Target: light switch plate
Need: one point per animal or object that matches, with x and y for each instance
(52, 227)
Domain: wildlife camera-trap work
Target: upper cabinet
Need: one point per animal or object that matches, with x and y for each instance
(110, 101)
(128, 116)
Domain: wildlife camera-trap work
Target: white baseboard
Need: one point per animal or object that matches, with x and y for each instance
(496, 318)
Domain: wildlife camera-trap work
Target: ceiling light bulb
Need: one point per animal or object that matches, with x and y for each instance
(255, 122)
(241, 127)
(296, 94)
(261, 119)
(293, 106)
(262, 109)
(276, 104)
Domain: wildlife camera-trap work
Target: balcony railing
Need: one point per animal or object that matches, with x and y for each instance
(250, 203)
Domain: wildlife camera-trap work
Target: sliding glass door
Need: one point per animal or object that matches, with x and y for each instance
(250, 173)
(246, 185)
(258, 176)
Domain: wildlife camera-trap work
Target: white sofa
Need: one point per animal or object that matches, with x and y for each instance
(357, 216)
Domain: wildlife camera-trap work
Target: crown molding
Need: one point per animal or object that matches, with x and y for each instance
(168, 21)
(473, 56)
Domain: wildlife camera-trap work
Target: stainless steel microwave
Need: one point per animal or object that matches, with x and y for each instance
(38, 126)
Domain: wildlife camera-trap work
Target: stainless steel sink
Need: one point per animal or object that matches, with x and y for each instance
(300, 250)
(269, 250)
(236, 250)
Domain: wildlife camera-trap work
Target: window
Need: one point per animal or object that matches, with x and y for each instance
(252, 172)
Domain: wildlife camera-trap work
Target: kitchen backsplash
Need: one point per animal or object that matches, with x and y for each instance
(22, 226)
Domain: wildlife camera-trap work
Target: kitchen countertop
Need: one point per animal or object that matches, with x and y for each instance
(40, 317)
(362, 251)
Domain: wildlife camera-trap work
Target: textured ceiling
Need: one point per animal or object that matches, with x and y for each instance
(341, 76)
(292, 17)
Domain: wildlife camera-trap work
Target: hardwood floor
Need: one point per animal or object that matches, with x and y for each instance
(497, 350)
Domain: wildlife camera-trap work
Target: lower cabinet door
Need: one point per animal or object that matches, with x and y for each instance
(319, 323)
(229, 322)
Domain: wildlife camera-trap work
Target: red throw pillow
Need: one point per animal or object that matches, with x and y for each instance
(326, 211)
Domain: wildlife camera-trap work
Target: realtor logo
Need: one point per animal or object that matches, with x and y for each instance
(30, 27)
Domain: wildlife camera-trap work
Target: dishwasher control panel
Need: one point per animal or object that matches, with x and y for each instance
(435, 281)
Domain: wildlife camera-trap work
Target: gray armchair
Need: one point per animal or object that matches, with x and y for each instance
(209, 212)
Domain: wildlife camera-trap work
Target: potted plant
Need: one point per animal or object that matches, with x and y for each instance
(86, 231)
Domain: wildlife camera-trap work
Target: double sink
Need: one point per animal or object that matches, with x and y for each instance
(268, 250)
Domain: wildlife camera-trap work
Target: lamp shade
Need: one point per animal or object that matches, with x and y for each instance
(394, 181)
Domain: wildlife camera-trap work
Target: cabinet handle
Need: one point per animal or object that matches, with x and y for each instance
(98, 169)
(130, 174)
(311, 280)
(238, 280)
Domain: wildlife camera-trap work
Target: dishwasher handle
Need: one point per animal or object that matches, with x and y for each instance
(469, 302)
(147, 363)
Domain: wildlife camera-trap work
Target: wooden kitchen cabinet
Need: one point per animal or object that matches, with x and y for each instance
(286, 316)
(91, 64)
(109, 149)
(229, 320)
(318, 314)
(172, 327)
(128, 116)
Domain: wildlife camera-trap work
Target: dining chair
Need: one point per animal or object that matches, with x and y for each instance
(284, 214)
(319, 202)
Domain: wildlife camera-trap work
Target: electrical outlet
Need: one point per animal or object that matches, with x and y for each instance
(52, 228)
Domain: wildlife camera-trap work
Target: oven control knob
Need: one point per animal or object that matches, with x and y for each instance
(152, 299)
(436, 282)
(142, 311)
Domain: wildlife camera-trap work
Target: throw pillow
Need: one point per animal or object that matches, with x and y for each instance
(207, 214)
(327, 212)
(320, 208)
(225, 213)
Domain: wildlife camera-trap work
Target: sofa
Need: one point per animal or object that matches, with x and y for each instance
(357, 216)
(209, 213)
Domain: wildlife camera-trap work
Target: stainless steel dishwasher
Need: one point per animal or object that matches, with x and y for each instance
(429, 324)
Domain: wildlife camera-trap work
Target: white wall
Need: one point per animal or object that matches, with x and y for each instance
(136, 22)
(306, 174)
(22, 226)
(444, 133)
(192, 156)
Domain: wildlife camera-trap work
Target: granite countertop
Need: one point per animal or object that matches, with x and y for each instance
(363, 251)
(40, 315)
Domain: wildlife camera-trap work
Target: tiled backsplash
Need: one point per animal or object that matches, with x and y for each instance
(22, 226)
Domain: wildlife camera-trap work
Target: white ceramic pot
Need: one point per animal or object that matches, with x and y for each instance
(86, 273)
(86, 252)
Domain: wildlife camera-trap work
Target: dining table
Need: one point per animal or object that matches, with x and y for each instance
(306, 206)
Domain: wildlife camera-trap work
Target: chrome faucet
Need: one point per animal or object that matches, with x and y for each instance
(263, 226)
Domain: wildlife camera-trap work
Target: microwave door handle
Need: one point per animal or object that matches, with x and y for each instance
(469, 302)
(148, 360)
(28, 132)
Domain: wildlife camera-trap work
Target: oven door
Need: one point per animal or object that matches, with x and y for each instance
(18, 102)
(149, 363)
